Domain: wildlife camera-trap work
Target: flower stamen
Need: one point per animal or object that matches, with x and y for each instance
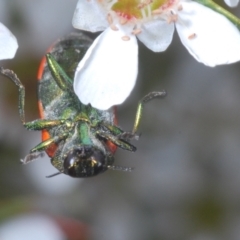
(157, 11)
(192, 36)
(125, 38)
(141, 5)
(136, 31)
(123, 20)
(109, 19)
(180, 7)
(144, 3)
(149, 11)
(172, 18)
(143, 13)
(114, 27)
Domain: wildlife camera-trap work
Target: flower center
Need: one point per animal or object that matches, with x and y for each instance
(140, 9)
(130, 14)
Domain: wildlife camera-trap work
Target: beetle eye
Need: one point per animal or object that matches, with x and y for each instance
(85, 162)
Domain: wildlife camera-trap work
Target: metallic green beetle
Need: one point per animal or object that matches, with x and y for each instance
(79, 139)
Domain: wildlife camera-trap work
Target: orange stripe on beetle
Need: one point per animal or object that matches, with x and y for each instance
(45, 133)
(112, 147)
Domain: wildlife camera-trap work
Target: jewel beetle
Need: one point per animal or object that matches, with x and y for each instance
(79, 139)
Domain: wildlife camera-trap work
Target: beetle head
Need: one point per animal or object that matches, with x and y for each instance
(86, 161)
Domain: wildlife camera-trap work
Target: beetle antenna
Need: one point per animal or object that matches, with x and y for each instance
(121, 168)
(53, 175)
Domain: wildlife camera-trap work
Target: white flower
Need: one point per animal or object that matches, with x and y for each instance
(8, 43)
(231, 3)
(107, 73)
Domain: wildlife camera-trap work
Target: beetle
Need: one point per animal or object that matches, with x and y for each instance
(79, 139)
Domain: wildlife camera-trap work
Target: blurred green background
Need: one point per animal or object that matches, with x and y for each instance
(185, 183)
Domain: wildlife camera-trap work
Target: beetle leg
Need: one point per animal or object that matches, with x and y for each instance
(147, 98)
(21, 102)
(118, 142)
(38, 150)
(32, 156)
(113, 129)
(118, 133)
(45, 144)
(125, 136)
(40, 124)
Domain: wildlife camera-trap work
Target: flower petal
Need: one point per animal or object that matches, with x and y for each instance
(231, 3)
(8, 43)
(89, 16)
(209, 36)
(107, 73)
(156, 35)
